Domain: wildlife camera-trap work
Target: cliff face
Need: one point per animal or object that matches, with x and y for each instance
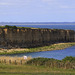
(34, 37)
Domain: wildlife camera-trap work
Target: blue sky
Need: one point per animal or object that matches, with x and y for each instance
(37, 10)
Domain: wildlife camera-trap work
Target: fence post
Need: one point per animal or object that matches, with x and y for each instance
(21, 62)
(9, 61)
(5, 61)
(15, 62)
(0, 60)
(32, 62)
(50, 64)
(58, 65)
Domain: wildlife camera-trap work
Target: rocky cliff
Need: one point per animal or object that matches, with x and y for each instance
(24, 37)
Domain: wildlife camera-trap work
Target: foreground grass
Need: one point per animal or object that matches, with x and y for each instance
(57, 46)
(37, 73)
(32, 70)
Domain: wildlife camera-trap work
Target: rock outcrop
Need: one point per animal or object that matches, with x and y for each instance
(26, 37)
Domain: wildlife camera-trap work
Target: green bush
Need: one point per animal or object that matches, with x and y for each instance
(69, 58)
(53, 63)
(14, 27)
(7, 26)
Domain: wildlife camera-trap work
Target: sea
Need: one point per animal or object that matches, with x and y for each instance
(66, 27)
(48, 25)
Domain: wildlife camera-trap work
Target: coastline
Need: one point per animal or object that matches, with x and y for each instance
(58, 46)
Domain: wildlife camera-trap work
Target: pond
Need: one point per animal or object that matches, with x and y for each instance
(56, 54)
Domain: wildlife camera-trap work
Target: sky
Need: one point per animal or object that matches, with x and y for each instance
(37, 10)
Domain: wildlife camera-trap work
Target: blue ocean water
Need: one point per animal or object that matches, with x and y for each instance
(68, 27)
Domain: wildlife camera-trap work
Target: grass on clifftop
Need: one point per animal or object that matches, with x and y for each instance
(15, 27)
(57, 46)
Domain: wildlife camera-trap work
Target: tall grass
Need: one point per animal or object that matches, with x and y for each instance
(13, 60)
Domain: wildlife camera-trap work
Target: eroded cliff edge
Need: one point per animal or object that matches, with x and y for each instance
(26, 37)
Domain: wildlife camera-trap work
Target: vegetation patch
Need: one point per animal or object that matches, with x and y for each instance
(13, 27)
(66, 63)
(58, 46)
(38, 66)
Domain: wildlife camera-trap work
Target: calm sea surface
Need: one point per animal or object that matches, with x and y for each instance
(56, 54)
(70, 27)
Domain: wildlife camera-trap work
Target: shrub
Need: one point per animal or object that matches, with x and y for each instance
(7, 26)
(69, 58)
(14, 27)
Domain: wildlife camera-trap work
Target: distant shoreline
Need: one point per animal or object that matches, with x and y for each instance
(37, 24)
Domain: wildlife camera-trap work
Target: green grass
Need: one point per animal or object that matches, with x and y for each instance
(58, 46)
(66, 63)
(32, 70)
(12, 27)
(37, 73)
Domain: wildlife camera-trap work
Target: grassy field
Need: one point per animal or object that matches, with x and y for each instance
(32, 70)
(57, 46)
(37, 74)
(29, 68)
